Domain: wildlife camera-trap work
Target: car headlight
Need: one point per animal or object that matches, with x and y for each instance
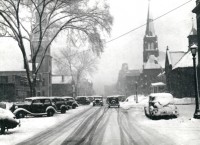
(16, 107)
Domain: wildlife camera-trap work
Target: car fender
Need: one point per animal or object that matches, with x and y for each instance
(21, 109)
(63, 106)
(50, 107)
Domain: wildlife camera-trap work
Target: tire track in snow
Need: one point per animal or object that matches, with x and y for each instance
(83, 135)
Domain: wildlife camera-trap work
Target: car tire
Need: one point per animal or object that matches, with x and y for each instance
(50, 113)
(20, 114)
(3, 127)
(109, 106)
(73, 106)
(63, 110)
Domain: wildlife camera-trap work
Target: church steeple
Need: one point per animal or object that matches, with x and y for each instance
(192, 38)
(150, 45)
(150, 27)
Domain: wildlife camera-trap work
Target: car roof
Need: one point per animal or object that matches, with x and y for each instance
(66, 97)
(82, 96)
(42, 97)
(97, 96)
(161, 95)
(112, 96)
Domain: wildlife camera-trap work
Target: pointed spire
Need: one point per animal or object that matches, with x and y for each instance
(193, 31)
(150, 27)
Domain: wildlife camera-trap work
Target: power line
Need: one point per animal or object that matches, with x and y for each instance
(146, 23)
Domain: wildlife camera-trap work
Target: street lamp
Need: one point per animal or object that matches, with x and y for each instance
(136, 83)
(193, 49)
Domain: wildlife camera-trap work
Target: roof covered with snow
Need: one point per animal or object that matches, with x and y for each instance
(174, 56)
(186, 61)
(158, 84)
(152, 63)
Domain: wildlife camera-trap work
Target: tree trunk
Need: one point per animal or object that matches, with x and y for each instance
(34, 75)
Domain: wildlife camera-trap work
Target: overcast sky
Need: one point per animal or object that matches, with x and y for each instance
(172, 30)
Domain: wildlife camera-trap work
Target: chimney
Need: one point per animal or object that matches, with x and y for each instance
(63, 78)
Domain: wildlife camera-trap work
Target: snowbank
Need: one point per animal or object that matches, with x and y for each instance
(184, 101)
(6, 114)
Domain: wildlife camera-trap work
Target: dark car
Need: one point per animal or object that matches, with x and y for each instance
(161, 105)
(34, 106)
(7, 120)
(70, 101)
(61, 104)
(113, 101)
(83, 100)
(98, 100)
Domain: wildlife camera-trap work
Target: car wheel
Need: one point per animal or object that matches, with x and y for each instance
(74, 107)
(109, 106)
(50, 113)
(20, 114)
(63, 110)
(2, 127)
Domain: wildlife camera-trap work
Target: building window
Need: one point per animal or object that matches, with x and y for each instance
(43, 82)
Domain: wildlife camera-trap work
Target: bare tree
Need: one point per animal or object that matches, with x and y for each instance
(39, 22)
(76, 64)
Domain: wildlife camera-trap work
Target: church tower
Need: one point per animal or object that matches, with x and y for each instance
(150, 45)
(44, 76)
(192, 38)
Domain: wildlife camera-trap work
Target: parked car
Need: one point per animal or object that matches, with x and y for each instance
(70, 101)
(113, 101)
(61, 104)
(98, 100)
(7, 120)
(34, 106)
(83, 100)
(161, 105)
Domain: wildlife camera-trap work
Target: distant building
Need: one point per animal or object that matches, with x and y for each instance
(62, 85)
(45, 71)
(110, 90)
(13, 86)
(151, 60)
(127, 80)
(85, 88)
(179, 70)
(150, 45)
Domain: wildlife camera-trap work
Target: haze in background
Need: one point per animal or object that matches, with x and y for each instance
(172, 30)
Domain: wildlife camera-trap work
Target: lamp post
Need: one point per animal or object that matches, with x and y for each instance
(136, 83)
(193, 49)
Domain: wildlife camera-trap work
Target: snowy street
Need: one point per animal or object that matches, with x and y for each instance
(103, 125)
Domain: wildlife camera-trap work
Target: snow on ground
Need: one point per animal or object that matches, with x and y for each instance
(143, 101)
(184, 130)
(33, 125)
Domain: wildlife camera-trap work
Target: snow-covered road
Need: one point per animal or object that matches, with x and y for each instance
(102, 126)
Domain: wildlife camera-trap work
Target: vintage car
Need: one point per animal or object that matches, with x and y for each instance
(97, 100)
(161, 105)
(71, 102)
(34, 106)
(113, 101)
(84, 100)
(61, 104)
(7, 120)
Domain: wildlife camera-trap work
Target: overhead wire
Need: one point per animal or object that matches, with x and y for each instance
(146, 23)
